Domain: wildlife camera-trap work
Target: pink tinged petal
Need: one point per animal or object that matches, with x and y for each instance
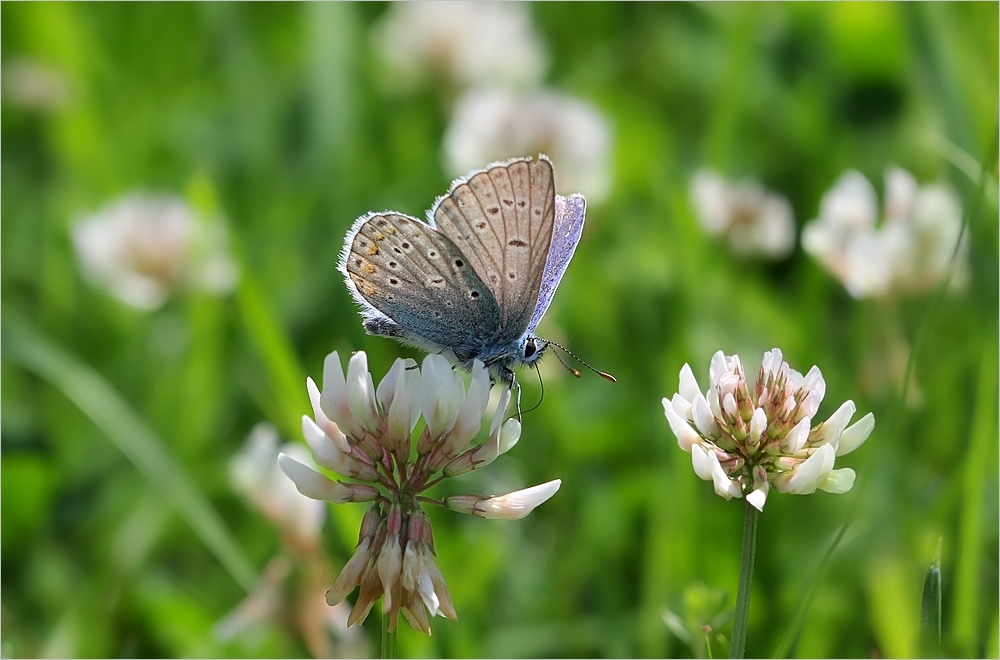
(682, 406)
(771, 362)
(796, 438)
(724, 486)
(417, 577)
(331, 430)
(760, 488)
(829, 432)
(329, 455)
(686, 436)
(390, 565)
(855, 434)
(516, 505)
(441, 394)
(510, 433)
(350, 577)
(838, 481)
(445, 607)
(717, 368)
(470, 415)
(361, 393)
(706, 465)
(729, 404)
(688, 384)
(809, 406)
(757, 497)
(395, 392)
(701, 463)
(758, 424)
(704, 420)
(312, 484)
(807, 477)
(501, 411)
(814, 382)
(334, 397)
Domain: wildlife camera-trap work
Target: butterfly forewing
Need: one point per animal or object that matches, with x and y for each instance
(502, 219)
(417, 277)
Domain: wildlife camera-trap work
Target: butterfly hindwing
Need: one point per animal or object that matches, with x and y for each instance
(566, 232)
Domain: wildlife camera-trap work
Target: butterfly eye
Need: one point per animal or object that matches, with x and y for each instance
(529, 348)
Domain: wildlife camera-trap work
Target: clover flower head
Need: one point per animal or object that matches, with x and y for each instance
(465, 43)
(748, 440)
(254, 474)
(753, 220)
(908, 251)
(370, 436)
(492, 123)
(142, 247)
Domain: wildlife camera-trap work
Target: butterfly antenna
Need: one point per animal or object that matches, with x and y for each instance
(541, 386)
(576, 372)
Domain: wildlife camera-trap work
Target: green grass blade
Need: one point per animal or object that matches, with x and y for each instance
(286, 377)
(98, 400)
(930, 609)
(979, 464)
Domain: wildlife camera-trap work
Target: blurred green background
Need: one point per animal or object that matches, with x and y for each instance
(121, 534)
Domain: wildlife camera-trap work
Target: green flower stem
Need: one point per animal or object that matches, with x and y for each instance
(739, 641)
(388, 650)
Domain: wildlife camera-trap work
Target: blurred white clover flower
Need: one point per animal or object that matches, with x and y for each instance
(747, 442)
(36, 86)
(908, 252)
(467, 43)
(142, 247)
(491, 124)
(286, 591)
(754, 221)
(366, 434)
(254, 474)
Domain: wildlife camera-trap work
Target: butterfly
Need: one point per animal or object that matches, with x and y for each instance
(474, 281)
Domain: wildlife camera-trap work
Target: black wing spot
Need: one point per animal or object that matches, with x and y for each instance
(397, 250)
(473, 294)
(380, 222)
(517, 242)
(459, 263)
(393, 280)
(538, 211)
(511, 275)
(432, 253)
(493, 210)
(521, 204)
(392, 264)
(508, 202)
(437, 314)
(357, 262)
(481, 225)
(406, 246)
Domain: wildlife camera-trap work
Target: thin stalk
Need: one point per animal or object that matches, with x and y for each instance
(388, 651)
(748, 553)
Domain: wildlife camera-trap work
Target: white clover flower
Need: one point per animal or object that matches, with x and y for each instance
(491, 124)
(908, 252)
(141, 247)
(35, 85)
(365, 433)
(467, 43)
(747, 442)
(753, 220)
(254, 474)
